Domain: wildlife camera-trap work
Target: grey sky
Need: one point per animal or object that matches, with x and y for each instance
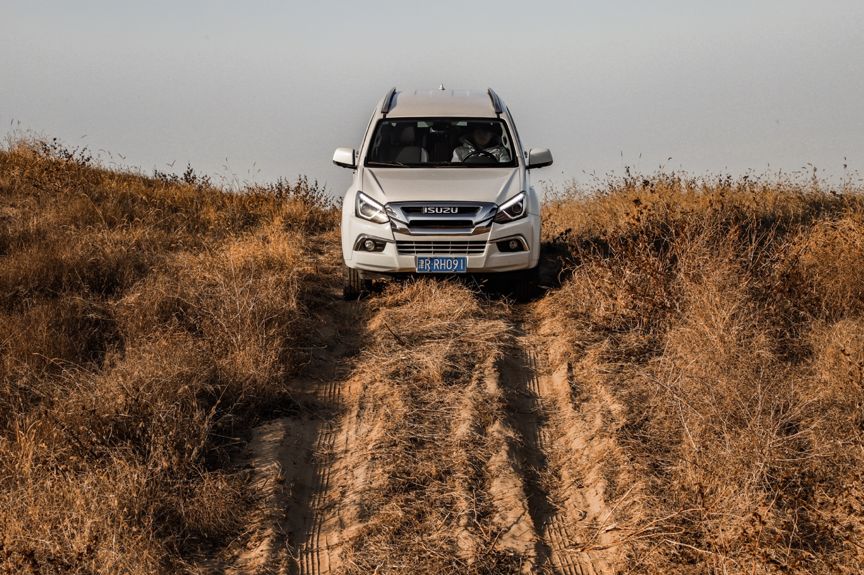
(274, 87)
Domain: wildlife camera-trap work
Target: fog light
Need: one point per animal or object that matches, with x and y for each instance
(367, 244)
(510, 245)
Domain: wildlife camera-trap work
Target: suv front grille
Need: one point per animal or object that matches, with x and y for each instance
(441, 224)
(443, 247)
(419, 218)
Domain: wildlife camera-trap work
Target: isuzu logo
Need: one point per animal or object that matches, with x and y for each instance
(440, 210)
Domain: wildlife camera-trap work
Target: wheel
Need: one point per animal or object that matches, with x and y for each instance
(523, 285)
(355, 286)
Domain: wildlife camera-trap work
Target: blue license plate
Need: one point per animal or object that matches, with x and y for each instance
(442, 265)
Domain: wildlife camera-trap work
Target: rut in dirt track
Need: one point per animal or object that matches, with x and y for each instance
(292, 461)
(567, 505)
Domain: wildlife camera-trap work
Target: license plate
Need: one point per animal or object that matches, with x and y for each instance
(442, 265)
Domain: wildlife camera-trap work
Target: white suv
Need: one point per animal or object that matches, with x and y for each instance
(441, 185)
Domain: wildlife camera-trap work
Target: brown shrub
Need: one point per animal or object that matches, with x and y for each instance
(103, 263)
(70, 330)
(827, 262)
(56, 522)
(242, 301)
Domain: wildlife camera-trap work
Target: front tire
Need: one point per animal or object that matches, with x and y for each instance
(524, 282)
(355, 286)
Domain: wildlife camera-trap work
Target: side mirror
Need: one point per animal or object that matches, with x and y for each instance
(538, 158)
(345, 158)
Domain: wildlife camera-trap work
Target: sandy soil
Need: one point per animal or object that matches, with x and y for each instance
(541, 437)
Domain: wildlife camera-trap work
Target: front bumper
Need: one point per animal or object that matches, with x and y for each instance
(491, 259)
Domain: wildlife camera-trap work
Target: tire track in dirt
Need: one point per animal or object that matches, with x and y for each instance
(278, 455)
(518, 487)
(560, 452)
(313, 555)
(434, 487)
(505, 484)
(479, 530)
(294, 461)
(317, 540)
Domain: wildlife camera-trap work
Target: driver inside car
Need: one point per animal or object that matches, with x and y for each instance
(483, 143)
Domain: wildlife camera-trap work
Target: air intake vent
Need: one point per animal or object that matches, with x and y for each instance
(441, 247)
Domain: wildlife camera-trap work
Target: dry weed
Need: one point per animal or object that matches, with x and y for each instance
(724, 317)
(145, 321)
(427, 507)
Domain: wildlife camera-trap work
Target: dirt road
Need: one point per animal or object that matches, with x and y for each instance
(496, 471)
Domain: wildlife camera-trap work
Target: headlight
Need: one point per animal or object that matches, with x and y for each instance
(369, 209)
(512, 209)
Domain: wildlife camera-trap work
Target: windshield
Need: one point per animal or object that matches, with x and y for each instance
(437, 142)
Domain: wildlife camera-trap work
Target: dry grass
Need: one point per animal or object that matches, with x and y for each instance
(146, 321)
(432, 425)
(726, 317)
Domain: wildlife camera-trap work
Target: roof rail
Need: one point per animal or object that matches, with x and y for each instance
(496, 102)
(388, 101)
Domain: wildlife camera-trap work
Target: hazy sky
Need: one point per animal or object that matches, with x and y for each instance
(259, 90)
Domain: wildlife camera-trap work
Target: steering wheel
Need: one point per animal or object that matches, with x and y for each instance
(480, 154)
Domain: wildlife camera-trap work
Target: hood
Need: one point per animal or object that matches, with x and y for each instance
(441, 184)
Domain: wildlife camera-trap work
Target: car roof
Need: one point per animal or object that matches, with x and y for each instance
(431, 103)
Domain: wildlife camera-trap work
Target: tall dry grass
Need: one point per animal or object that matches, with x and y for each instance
(433, 427)
(145, 322)
(726, 317)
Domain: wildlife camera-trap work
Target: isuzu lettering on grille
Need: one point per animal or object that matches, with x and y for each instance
(440, 210)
